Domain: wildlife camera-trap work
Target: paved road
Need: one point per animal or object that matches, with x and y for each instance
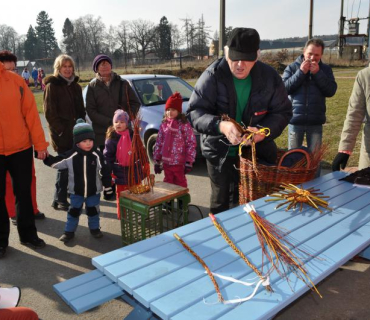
(346, 293)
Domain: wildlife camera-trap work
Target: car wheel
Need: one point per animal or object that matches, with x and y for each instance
(150, 145)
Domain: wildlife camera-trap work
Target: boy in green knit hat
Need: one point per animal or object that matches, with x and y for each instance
(87, 175)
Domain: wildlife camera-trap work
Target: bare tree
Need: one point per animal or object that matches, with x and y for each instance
(8, 38)
(81, 43)
(177, 40)
(189, 31)
(142, 34)
(93, 29)
(201, 38)
(111, 40)
(122, 34)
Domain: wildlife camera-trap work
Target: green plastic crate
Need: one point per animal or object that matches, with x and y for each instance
(140, 221)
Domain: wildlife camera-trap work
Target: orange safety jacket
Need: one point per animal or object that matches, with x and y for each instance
(20, 125)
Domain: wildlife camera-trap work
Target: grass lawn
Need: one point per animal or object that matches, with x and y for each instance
(335, 114)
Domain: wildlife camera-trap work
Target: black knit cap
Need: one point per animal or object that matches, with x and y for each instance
(82, 131)
(243, 44)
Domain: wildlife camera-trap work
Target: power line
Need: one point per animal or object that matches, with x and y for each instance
(358, 12)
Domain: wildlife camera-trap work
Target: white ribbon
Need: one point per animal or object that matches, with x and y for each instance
(265, 282)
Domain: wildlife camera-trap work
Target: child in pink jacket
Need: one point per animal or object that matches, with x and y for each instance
(175, 148)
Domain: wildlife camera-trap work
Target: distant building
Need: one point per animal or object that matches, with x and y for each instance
(21, 64)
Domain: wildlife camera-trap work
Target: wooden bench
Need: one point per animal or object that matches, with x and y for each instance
(159, 277)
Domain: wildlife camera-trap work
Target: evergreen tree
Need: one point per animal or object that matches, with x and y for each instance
(46, 35)
(68, 37)
(164, 32)
(30, 45)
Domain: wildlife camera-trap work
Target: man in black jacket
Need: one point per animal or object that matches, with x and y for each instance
(248, 91)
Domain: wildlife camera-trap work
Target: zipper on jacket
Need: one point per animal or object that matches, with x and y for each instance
(85, 177)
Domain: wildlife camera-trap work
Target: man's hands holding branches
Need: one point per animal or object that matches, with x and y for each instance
(236, 134)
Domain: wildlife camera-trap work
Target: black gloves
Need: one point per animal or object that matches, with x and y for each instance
(340, 161)
(108, 193)
(188, 167)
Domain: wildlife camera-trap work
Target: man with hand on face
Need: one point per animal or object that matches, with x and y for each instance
(251, 93)
(308, 82)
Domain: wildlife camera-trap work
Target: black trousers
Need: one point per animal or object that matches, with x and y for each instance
(19, 165)
(225, 184)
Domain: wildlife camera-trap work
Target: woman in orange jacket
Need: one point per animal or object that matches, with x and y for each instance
(10, 61)
(20, 131)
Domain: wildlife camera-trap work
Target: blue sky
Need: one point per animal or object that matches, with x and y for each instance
(272, 18)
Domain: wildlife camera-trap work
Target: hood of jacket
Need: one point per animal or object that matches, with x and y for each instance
(59, 81)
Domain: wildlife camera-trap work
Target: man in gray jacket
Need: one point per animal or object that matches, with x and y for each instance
(251, 93)
(358, 110)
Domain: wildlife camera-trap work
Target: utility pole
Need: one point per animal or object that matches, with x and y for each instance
(311, 18)
(340, 33)
(221, 40)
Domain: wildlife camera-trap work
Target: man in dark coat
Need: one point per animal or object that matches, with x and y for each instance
(248, 91)
(308, 82)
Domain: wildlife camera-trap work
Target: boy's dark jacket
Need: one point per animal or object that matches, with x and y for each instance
(87, 170)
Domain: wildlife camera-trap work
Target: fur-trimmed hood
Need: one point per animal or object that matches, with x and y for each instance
(58, 80)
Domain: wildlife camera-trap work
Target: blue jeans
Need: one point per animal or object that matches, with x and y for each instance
(75, 209)
(61, 185)
(296, 134)
(313, 137)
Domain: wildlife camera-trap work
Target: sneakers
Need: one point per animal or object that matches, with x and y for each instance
(66, 236)
(96, 233)
(39, 216)
(35, 243)
(57, 205)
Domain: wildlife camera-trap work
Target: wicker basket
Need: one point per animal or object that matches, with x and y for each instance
(253, 185)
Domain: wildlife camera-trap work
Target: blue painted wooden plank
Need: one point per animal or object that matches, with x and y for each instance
(150, 292)
(365, 254)
(139, 311)
(198, 290)
(77, 281)
(87, 291)
(86, 288)
(95, 298)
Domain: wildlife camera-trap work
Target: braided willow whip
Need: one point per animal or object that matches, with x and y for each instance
(237, 251)
(276, 248)
(200, 260)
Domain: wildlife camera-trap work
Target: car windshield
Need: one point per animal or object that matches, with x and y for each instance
(157, 90)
